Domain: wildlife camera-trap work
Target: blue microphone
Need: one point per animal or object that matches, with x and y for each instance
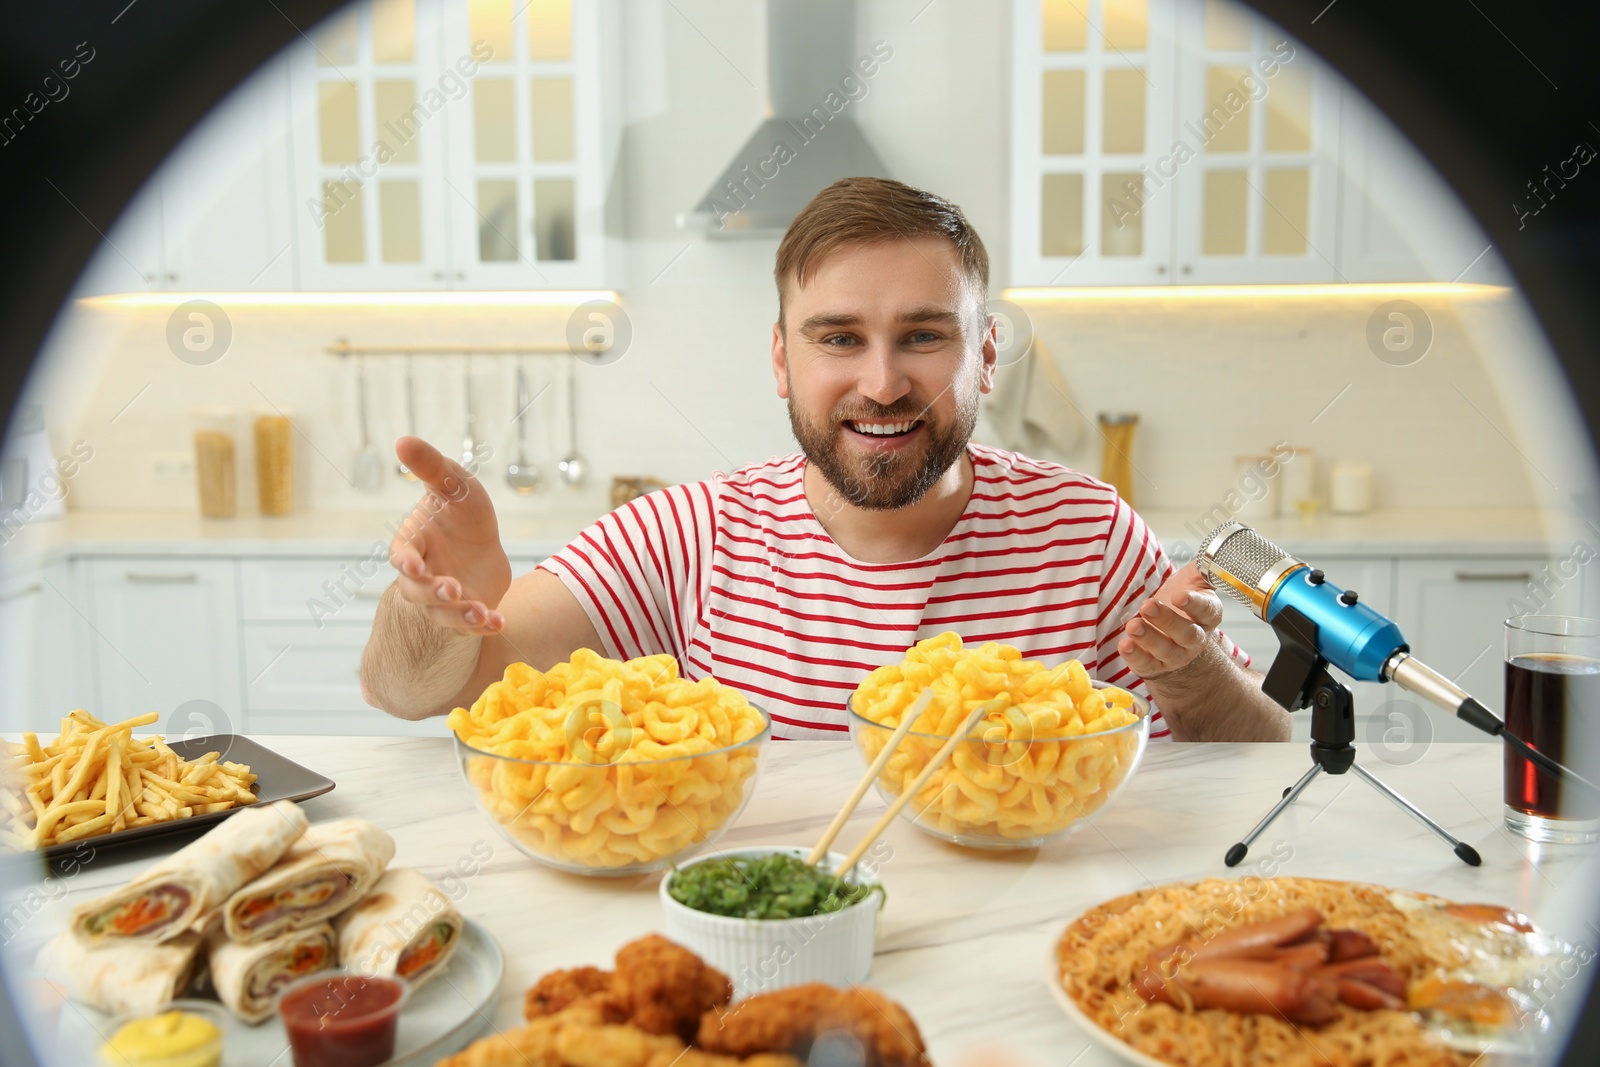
(1351, 636)
(1266, 579)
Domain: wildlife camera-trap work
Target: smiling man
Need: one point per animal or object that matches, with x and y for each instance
(791, 579)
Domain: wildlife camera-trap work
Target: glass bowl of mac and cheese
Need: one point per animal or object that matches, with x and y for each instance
(610, 767)
(1050, 752)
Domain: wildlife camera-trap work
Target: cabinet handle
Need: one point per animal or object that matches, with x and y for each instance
(18, 594)
(368, 594)
(1161, 268)
(1188, 269)
(438, 275)
(184, 577)
(1506, 576)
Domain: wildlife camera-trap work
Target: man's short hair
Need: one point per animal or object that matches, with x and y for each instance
(863, 211)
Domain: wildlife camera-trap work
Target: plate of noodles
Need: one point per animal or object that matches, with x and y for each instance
(1303, 972)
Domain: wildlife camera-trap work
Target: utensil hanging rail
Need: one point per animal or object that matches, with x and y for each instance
(345, 348)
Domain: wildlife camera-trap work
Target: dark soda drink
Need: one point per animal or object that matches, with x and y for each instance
(1546, 694)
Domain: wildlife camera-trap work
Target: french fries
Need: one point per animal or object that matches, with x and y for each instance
(97, 779)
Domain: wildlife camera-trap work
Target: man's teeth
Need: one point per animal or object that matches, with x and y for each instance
(882, 428)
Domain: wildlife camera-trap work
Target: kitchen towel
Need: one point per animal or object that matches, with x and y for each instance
(1030, 409)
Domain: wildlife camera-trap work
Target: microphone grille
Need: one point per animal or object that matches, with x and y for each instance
(1240, 552)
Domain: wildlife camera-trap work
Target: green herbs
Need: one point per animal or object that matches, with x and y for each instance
(775, 886)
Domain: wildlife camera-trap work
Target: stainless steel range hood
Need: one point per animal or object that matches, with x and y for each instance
(810, 138)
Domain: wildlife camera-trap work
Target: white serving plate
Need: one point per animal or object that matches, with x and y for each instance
(1093, 1029)
(452, 1009)
(1506, 1052)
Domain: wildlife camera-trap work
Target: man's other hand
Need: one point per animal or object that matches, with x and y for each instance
(1173, 627)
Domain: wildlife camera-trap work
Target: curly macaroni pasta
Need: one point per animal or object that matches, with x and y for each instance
(1038, 761)
(609, 764)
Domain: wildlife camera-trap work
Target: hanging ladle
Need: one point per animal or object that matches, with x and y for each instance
(573, 466)
(522, 476)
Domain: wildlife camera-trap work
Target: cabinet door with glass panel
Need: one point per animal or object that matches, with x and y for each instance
(451, 144)
(1258, 122)
(523, 177)
(1093, 90)
(370, 95)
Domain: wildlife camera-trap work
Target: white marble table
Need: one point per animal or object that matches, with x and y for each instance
(966, 934)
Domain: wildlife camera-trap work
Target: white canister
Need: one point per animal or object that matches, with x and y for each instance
(1296, 480)
(763, 954)
(1350, 488)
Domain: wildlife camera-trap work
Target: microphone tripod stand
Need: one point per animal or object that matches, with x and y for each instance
(1298, 677)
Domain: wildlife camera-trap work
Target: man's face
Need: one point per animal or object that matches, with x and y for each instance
(882, 356)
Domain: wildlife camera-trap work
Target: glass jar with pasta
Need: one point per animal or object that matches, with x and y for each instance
(1052, 750)
(215, 461)
(274, 445)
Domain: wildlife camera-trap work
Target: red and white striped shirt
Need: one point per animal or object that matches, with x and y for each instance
(736, 578)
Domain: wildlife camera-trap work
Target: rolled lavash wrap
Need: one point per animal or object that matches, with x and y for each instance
(248, 977)
(183, 889)
(332, 867)
(404, 928)
(122, 977)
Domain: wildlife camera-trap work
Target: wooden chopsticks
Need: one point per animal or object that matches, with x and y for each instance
(912, 714)
(918, 706)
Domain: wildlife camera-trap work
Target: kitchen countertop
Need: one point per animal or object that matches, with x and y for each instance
(1417, 532)
(966, 935)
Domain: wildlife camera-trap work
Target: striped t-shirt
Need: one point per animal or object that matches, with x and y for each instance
(737, 579)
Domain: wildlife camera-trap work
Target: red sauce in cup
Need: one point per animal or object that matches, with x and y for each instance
(342, 1020)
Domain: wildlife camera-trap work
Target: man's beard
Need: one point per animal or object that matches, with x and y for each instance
(892, 480)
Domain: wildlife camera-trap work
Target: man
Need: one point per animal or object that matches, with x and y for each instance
(791, 579)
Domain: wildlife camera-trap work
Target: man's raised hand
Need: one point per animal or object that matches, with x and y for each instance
(448, 551)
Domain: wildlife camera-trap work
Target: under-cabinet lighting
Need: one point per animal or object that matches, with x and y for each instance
(535, 298)
(1352, 290)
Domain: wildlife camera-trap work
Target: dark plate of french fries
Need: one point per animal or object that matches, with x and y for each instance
(97, 785)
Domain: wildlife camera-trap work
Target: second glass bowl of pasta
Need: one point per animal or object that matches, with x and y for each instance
(614, 818)
(1014, 784)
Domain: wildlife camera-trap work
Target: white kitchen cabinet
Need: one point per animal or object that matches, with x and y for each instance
(1453, 613)
(224, 215)
(129, 259)
(304, 680)
(165, 633)
(1156, 142)
(21, 601)
(214, 218)
(454, 144)
(1259, 200)
(323, 590)
(526, 165)
(1091, 109)
(1395, 222)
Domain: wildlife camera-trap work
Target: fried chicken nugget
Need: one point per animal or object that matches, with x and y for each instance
(664, 988)
(533, 1045)
(790, 1020)
(577, 1036)
(613, 1046)
(559, 989)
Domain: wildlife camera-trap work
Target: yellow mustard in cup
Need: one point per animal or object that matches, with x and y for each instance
(172, 1039)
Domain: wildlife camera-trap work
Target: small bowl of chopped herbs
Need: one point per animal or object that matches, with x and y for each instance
(768, 919)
